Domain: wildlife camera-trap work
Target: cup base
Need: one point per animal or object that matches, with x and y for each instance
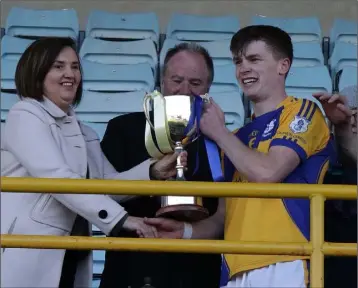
(183, 212)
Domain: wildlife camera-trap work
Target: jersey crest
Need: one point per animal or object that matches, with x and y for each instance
(299, 124)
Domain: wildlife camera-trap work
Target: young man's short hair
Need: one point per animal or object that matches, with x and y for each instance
(275, 38)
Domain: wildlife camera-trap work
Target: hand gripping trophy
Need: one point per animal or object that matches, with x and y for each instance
(171, 125)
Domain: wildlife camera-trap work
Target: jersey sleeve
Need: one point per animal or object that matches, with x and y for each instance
(302, 128)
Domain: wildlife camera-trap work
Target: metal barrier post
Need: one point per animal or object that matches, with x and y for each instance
(317, 240)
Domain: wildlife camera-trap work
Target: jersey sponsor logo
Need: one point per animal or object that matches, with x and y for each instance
(299, 124)
(269, 128)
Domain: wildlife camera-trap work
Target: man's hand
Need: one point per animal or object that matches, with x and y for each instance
(166, 228)
(212, 122)
(165, 167)
(143, 230)
(354, 121)
(336, 108)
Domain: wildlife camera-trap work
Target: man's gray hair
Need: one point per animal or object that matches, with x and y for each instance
(193, 48)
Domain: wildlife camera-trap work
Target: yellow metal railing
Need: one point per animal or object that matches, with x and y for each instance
(316, 248)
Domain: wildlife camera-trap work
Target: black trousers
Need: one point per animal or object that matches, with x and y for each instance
(73, 257)
(69, 268)
(340, 227)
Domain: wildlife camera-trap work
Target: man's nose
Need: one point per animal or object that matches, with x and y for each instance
(185, 88)
(244, 68)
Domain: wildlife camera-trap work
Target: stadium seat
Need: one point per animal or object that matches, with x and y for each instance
(218, 50)
(344, 54)
(305, 29)
(95, 283)
(102, 107)
(13, 47)
(111, 52)
(117, 77)
(189, 27)
(343, 31)
(233, 107)
(308, 80)
(348, 77)
(96, 109)
(8, 68)
(98, 261)
(224, 79)
(7, 101)
(307, 54)
(30, 23)
(2, 130)
(125, 26)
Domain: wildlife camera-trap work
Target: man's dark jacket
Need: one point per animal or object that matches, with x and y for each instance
(123, 145)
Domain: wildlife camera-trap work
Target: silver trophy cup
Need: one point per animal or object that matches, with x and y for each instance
(168, 133)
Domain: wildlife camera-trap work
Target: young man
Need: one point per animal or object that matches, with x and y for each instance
(287, 141)
(188, 70)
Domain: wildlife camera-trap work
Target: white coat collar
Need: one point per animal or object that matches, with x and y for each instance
(53, 109)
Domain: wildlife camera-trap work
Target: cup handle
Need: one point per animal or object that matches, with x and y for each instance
(147, 98)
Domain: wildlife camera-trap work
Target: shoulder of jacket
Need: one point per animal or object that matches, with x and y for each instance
(130, 117)
(29, 106)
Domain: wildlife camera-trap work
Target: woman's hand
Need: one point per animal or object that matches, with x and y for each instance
(137, 225)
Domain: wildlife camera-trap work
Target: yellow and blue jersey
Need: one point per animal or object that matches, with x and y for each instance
(300, 125)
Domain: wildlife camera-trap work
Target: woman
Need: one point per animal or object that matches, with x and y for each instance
(43, 138)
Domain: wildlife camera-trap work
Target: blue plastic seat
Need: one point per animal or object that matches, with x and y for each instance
(231, 103)
(2, 134)
(13, 47)
(117, 77)
(307, 54)
(98, 261)
(344, 54)
(343, 31)
(218, 50)
(305, 29)
(23, 22)
(96, 283)
(102, 107)
(348, 77)
(7, 101)
(8, 68)
(95, 228)
(112, 52)
(189, 27)
(134, 26)
(308, 80)
(224, 79)
(97, 109)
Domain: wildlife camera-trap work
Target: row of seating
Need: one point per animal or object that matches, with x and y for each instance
(23, 22)
(143, 51)
(140, 57)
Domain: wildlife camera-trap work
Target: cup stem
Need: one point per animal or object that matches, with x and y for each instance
(180, 168)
